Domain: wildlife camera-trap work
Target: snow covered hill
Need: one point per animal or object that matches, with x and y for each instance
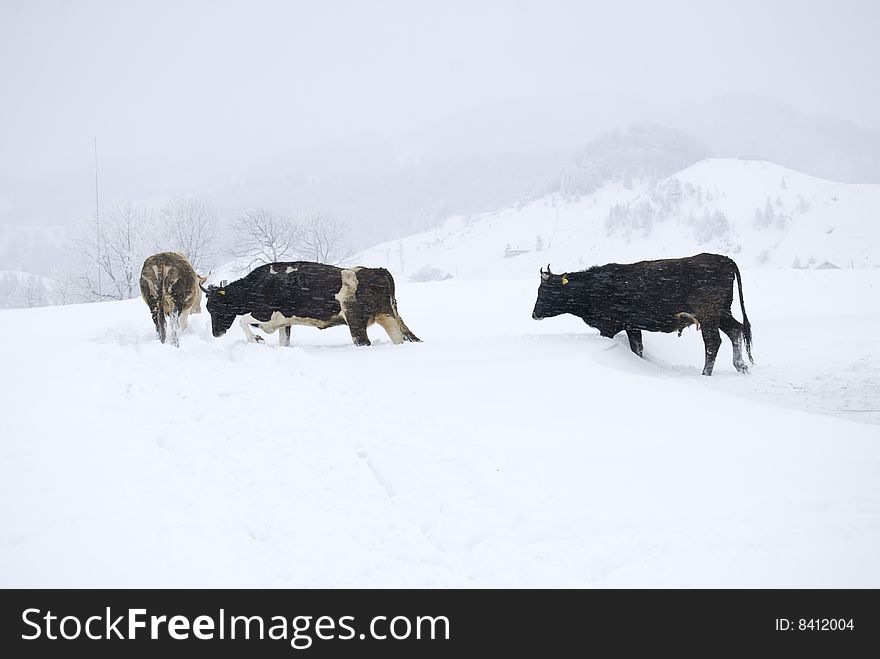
(759, 213)
(499, 452)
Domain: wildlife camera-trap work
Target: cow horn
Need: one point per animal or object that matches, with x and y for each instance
(548, 269)
(204, 290)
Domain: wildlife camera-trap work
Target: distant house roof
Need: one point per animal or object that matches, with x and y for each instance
(510, 251)
(827, 265)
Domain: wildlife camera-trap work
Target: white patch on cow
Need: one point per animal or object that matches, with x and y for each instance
(391, 326)
(153, 282)
(320, 324)
(272, 270)
(348, 289)
(246, 321)
(277, 321)
(687, 319)
(290, 269)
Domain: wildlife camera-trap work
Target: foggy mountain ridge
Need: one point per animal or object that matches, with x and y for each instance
(541, 128)
(472, 163)
(475, 162)
(643, 152)
(759, 213)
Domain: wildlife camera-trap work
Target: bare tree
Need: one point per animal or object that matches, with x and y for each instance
(30, 292)
(322, 238)
(264, 237)
(67, 278)
(188, 226)
(118, 251)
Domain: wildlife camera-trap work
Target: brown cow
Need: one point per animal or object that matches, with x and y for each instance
(171, 287)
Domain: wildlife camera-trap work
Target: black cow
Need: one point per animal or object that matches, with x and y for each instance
(655, 296)
(278, 295)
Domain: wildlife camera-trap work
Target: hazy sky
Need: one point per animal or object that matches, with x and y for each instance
(193, 80)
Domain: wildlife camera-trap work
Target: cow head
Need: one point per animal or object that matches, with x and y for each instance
(221, 308)
(553, 296)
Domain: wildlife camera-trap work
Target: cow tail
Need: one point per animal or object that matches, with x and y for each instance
(406, 331)
(160, 302)
(747, 327)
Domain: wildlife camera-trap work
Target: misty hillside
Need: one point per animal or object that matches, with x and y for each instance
(639, 152)
(728, 125)
(385, 187)
(488, 158)
(760, 213)
(381, 190)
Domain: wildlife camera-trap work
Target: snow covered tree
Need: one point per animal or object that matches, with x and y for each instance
(110, 257)
(264, 237)
(758, 222)
(30, 292)
(769, 213)
(321, 238)
(188, 226)
(539, 244)
(712, 227)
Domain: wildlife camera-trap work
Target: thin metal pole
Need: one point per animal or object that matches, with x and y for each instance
(97, 219)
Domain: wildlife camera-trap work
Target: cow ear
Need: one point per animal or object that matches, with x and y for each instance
(564, 279)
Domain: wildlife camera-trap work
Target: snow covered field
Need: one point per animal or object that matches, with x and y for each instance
(500, 452)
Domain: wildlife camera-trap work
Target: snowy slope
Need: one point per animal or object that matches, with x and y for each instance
(499, 452)
(21, 276)
(755, 211)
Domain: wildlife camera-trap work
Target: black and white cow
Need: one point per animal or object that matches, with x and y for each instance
(170, 287)
(656, 296)
(277, 296)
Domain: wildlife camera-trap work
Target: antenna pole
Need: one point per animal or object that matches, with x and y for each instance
(97, 219)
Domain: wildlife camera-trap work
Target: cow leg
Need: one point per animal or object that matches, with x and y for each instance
(712, 339)
(159, 322)
(635, 341)
(246, 328)
(174, 322)
(734, 330)
(284, 336)
(391, 326)
(608, 331)
(357, 318)
(359, 334)
(357, 324)
(184, 319)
